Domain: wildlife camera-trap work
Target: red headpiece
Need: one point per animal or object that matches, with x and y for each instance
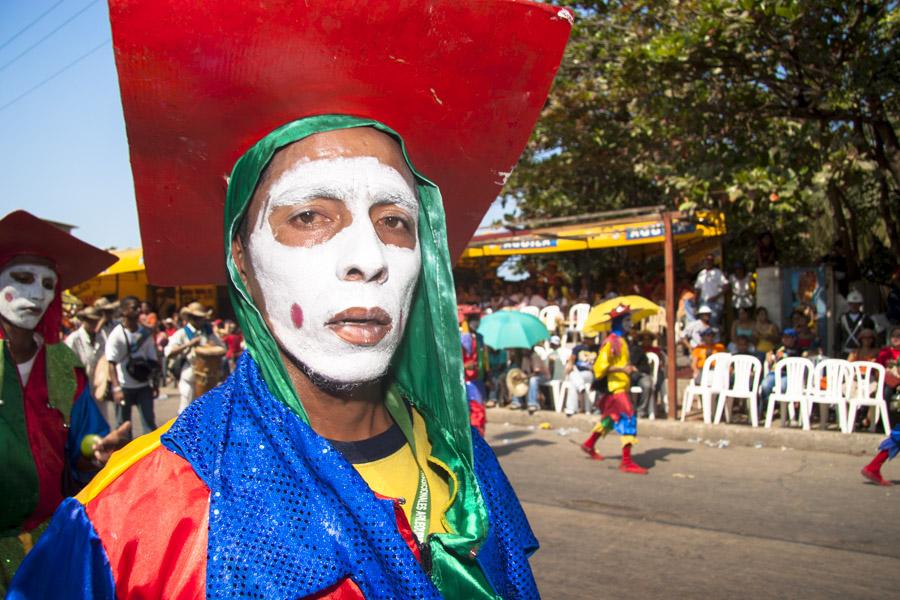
(462, 81)
(620, 311)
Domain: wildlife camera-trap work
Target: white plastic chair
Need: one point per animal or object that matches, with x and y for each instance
(561, 390)
(865, 374)
(713, 380)
(838, 376)
(744, 385)
(578, 315)
(530, 310)
(796, 373)
(549, 316)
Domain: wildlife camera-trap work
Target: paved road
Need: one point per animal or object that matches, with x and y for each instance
(705, 523)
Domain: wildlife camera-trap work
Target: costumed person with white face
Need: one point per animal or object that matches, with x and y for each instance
(616, 410)
(337, 461)
(52, 436)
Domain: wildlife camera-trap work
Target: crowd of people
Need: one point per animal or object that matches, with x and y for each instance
(110, 333)
(716, 312)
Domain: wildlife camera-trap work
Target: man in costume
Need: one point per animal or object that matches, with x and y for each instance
(337, 460)
(49, 422)
(616, 411)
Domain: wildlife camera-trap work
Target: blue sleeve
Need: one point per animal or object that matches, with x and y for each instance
(84, 419)
(504, 554)
(67, 562)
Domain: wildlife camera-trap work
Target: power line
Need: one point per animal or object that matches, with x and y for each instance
(43, 39)
(55, 75)
(27, 27)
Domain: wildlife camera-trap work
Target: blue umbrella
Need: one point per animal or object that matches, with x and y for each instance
(512, 329)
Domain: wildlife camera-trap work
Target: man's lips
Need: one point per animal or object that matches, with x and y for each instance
(361, 326)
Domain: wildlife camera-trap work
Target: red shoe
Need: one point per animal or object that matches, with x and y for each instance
(631, 467)
(593, 454)
(874, 475)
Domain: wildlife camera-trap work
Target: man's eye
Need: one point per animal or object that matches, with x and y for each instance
(23, 277)
(49, 284)
(307, 217)
(393, 222)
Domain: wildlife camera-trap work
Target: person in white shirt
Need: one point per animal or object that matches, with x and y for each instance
(129, 342)
(180, 349)
(85, 342)
(741, 282)
(711, 285)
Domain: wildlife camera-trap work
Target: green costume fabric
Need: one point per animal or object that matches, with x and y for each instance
(20, 495)
(427, 368)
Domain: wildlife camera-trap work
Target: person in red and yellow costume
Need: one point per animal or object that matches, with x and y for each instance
(616, 410)
(52, 436)
(337, 460)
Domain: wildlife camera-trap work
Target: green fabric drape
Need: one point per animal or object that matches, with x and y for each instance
(427, 367)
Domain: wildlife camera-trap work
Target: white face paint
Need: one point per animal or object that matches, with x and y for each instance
(307, 290)
(26, 290)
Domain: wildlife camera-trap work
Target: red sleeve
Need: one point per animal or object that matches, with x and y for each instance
(153, 521)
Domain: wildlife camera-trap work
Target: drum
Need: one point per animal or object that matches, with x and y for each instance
(207, 367)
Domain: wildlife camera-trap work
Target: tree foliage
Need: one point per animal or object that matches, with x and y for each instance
(783, 114)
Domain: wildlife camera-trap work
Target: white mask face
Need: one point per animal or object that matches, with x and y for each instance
(338, 306)
(26, 290)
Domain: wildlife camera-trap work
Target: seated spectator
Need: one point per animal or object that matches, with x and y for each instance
(538, 373)
(532, 298)
(556, 365)
(642, 376)
(788, 348)
(889, 357)
(692, 333)
(743, 346)
(765, 333)
(807, 340)
(867, 350)
(707, 347)
(742, 326)
(580, 373)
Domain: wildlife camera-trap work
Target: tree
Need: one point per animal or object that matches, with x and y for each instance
(782, 114)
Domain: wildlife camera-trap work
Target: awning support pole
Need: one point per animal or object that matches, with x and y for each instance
(671, 309)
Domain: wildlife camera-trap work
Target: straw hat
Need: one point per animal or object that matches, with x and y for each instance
(517, 382)
(102, 303)
(89, 313)
(195, 309)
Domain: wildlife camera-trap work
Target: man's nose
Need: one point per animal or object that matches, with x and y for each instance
(362, 256)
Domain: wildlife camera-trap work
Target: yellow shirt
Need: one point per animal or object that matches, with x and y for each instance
(619, 381)
(397, 476)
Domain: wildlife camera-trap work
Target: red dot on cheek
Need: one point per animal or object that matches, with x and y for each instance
(297, 315)
(9, 297)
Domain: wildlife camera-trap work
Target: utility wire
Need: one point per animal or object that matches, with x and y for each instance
(55, 75)
(27, 27)
(43, 39)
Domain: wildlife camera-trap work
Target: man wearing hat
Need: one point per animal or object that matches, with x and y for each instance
(180, 350)
(337, 460)
(852, 322)
(108, 319)
(693, 332)
(85, 342)
(616, 411)
(49, 423)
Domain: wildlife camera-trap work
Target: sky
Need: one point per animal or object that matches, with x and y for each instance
(63, 147)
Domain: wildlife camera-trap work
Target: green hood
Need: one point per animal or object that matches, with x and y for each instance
(427, 367)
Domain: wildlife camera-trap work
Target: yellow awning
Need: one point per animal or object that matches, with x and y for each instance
(130, 261)
(590, 236)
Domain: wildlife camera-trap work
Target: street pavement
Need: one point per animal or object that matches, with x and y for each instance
(707, 522)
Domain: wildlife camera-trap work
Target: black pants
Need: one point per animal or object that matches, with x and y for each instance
(141, 397)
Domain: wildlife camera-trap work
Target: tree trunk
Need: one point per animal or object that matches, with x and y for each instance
(850, 253)
(888, 201)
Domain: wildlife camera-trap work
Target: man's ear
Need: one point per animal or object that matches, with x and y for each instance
(239, 256)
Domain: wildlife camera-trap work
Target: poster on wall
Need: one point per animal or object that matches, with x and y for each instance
(805, 293)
